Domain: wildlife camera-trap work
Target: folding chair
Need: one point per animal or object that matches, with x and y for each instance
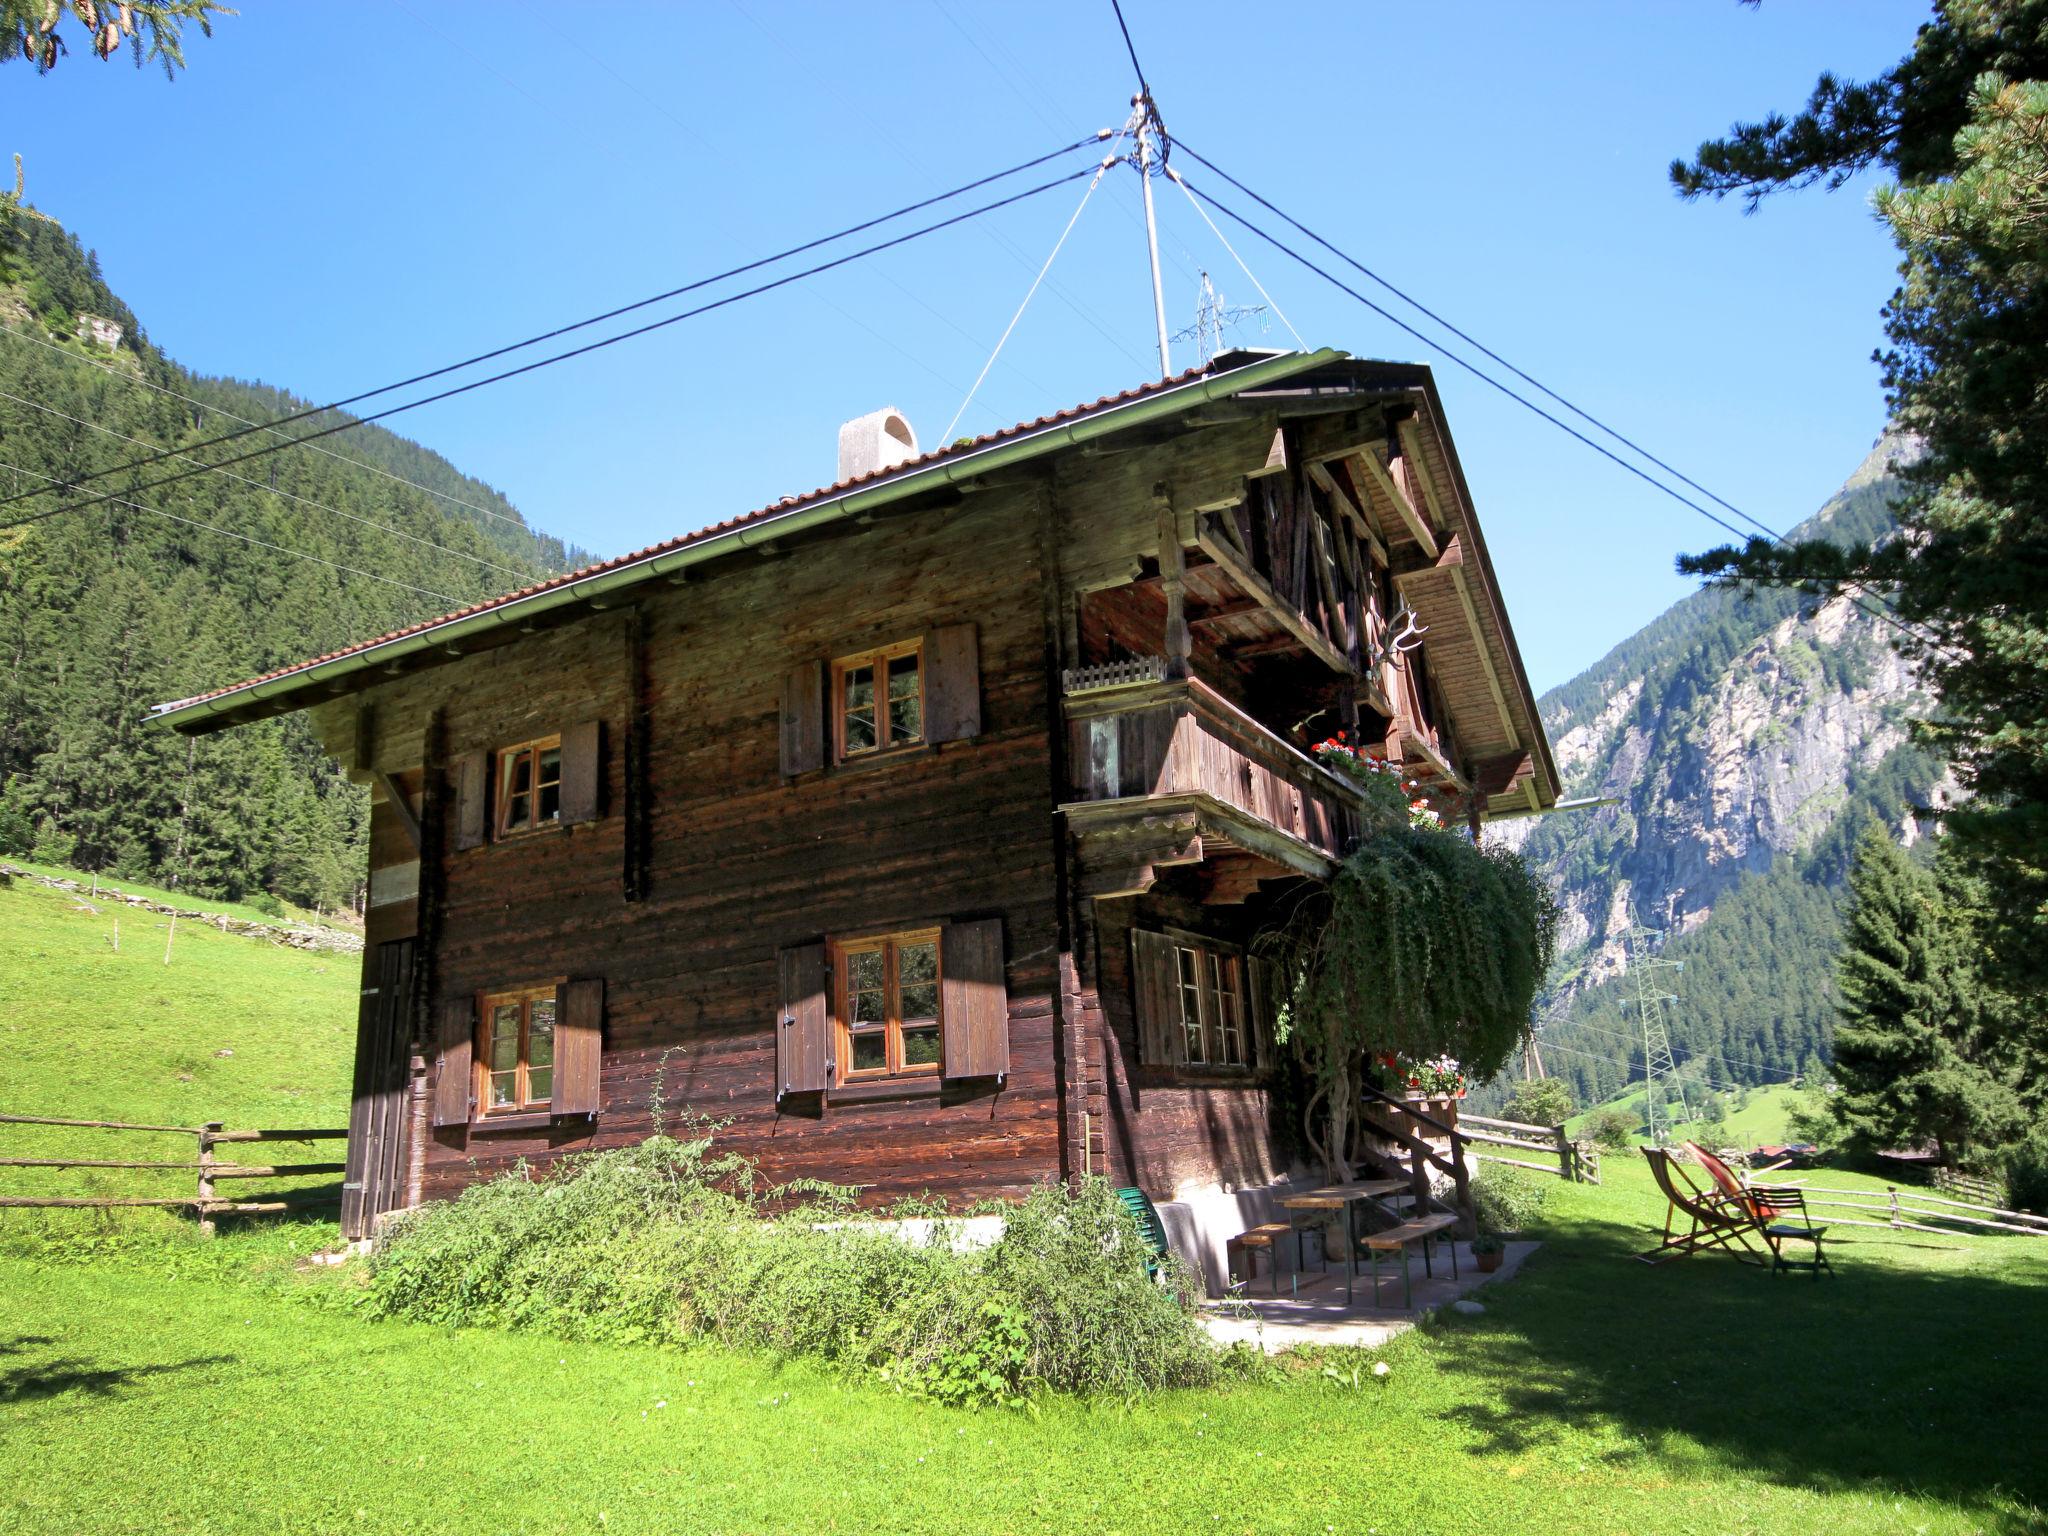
(1778, 1209)
(1712, 1219)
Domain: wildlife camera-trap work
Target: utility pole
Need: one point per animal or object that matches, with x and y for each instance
(1145, 120)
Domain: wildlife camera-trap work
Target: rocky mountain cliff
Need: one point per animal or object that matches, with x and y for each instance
(1740, 740)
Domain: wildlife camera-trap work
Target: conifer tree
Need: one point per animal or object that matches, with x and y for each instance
(1908, 1053)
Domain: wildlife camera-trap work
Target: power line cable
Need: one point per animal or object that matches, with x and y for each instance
(1881, 614)
(1131, 48)
(827, 82)
(296, 554)
(652, 299)
(137, 379)
(558, 357)
(1029, 294)
(1221, 239)
(520, 572)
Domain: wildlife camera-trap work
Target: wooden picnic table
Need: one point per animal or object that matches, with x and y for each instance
(1345, 1198)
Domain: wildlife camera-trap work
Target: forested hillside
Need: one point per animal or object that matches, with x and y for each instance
(108, 610)
(1747, 739)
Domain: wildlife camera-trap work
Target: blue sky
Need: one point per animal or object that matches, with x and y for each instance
(334, 196)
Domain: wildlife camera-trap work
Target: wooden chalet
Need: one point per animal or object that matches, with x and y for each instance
(917, 826)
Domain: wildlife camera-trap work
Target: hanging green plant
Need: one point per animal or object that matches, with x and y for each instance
(1423, 944)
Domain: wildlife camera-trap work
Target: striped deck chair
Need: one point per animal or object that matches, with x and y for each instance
(1712, 1220)
(1779, 1212)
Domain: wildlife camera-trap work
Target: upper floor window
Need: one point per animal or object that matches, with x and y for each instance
(878, 699)
(888, 996)
(518, 1049)
(530, 786)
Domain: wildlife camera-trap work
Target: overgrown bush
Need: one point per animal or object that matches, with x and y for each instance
(1509, 1199)
(668, 1241)
(2026, 1174)
(1611, 1128)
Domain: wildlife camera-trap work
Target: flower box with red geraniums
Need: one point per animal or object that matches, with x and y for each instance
(1391, 798)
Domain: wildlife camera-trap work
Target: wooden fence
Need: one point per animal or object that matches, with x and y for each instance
(1573, 1161)
(1970, 1187)
(208, 1170)
(1895, 1205)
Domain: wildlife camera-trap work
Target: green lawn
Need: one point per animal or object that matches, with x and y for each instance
(1763, 1120)
(151, 1381)
(234, 1029)
(191, 1387)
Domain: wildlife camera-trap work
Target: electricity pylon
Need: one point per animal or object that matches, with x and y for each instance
(1661, 1089)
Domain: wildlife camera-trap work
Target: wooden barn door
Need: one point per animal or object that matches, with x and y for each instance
(375, 1181)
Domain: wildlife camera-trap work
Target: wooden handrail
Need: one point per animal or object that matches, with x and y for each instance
(1408, 1108)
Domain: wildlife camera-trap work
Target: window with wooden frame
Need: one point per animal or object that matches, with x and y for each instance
(529, 786)
(516, 1051)
(1201, 1003)
(887, 992)
(1210, 993)
(878, 700)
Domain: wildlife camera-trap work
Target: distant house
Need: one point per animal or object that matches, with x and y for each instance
(916, 826)
(96, 330)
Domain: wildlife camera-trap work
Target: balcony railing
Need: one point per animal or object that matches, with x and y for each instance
(1145, 740)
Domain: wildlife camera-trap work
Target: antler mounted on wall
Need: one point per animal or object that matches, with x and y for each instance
(1403, 634)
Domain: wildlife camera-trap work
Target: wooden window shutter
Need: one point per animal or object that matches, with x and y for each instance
(803, 719)
(804, 1047)
(472, 794)
(582, 772)
(454, 1080)
(579, 1046)
(1264, 1005)
(973, 1003)
(1155, 987)
(952, 684)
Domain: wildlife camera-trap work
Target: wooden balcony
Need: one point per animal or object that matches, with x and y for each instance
(1168, 772)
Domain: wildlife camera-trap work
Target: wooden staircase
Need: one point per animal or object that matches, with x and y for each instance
(1402, 1141)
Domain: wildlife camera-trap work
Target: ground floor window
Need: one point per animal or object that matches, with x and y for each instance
(518, 1049)
(1210, 995)
(888, 1004)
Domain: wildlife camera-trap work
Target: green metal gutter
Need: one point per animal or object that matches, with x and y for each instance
(199, 716)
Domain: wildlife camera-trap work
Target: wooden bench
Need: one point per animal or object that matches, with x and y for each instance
(1398, 1240)
(1249, 1243)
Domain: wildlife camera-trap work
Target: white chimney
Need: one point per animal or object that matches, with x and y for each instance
(877, 441)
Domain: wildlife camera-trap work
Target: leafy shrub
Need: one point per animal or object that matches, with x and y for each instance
(1509, 1199)
(2026, 1174)
(266, 903)
(1541, 1101)
(1613, 1129)
(668, 1241)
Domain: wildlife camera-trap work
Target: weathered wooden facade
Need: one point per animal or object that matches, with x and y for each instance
(917, 827)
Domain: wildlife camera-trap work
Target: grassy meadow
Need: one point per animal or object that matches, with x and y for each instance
(233, 1029)
(152, 1381)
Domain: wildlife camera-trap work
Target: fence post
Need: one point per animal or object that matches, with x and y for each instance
(1893, 1191)
(1565, 1170)
(206, 1135)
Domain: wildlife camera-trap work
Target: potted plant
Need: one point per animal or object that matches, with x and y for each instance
(1488, 1249)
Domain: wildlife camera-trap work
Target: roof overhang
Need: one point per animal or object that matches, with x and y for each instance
(290, 689)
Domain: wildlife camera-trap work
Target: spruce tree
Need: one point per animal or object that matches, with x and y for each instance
(1907, 1054)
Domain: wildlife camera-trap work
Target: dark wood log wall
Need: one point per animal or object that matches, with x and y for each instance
(681, 899)
(1165, 1128)
(741, 862)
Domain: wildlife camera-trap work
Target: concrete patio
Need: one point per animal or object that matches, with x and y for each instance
(1316, 1313)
